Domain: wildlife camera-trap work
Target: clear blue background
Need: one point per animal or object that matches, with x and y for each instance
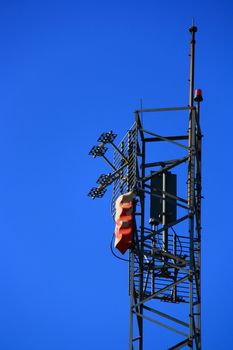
(68, 71)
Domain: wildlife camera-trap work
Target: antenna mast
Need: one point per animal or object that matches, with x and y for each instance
(158, 220)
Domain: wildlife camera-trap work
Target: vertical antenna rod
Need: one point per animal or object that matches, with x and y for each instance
(192, 30)
(191, 179)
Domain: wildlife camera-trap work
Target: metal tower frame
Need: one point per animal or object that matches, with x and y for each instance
(165, 257)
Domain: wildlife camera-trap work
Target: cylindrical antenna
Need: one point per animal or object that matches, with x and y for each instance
(191, 179)
(192, 30)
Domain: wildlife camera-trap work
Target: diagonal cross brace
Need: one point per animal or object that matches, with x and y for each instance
(162, 290)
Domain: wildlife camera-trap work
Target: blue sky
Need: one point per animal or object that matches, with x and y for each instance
(69, 71)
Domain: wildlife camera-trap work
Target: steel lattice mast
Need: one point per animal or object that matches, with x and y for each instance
(165, 254)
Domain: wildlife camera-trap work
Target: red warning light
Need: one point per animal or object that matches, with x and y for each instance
(198, 95)
(124, 222)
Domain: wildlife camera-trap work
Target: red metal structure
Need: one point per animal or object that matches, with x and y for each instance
(124, 222)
